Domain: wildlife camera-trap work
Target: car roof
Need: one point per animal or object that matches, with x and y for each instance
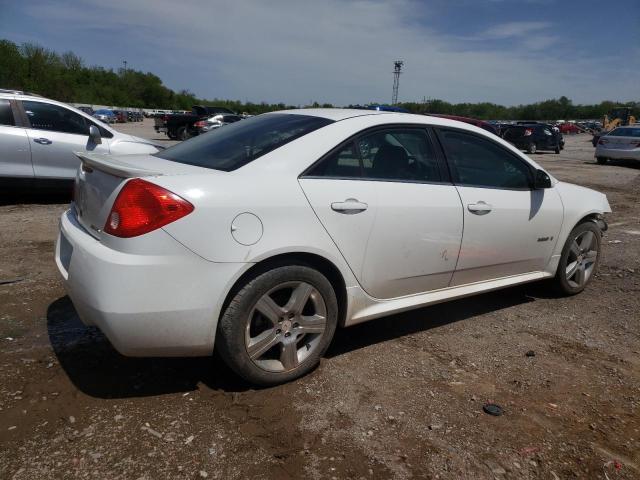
(335, 114)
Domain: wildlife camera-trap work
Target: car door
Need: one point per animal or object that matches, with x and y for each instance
(15, 154)
(390, 208)
(509, 227)
(55, 133)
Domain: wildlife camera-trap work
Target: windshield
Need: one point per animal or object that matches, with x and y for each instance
(626, 132)
(239, 143)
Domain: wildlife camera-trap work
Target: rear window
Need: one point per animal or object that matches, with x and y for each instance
(626, 132)
(514, 132)
(235, 145)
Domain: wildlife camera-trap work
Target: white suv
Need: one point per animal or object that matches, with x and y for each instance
(39, 138)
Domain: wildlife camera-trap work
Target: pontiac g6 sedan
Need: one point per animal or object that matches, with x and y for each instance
(264, 236)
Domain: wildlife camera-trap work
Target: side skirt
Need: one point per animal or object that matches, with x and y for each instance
(364, 308)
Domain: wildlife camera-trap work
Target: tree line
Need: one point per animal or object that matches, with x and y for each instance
(67, 78)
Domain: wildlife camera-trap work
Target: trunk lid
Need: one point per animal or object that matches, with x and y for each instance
(101, 176)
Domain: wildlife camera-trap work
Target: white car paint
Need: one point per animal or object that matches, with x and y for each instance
(31, 153)
(163, 292)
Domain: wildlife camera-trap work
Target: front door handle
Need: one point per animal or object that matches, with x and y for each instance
(43, 141)
(480, 208)
(349, 206)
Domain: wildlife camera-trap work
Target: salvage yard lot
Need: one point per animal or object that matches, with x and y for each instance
(398, 397)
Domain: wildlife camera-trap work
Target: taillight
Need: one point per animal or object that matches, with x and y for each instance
(199, 124)
(603, 141)
(528, 132)
(142, 207)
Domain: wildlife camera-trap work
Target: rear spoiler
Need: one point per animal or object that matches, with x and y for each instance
(107, 163)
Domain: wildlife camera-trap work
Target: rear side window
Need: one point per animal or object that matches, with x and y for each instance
(6, 115)
(54, 118)
(240, 143)
(396, 154)
(626, 132)
(482, 163)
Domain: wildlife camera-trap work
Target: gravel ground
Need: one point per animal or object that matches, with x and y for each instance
(400, 397)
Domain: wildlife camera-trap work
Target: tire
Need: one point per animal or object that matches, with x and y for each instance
(602, 160)
(272, 348)
(183, 134)
(582, 248)
(532, 148)
(557, 150)
(172, 135)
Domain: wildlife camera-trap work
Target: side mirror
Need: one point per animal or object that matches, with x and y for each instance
(541, 180)
(94, 135)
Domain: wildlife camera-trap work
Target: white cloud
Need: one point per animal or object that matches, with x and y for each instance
(336, 51)
(515, 29)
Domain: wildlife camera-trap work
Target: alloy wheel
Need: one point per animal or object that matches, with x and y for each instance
(285, 326)
(581, 261)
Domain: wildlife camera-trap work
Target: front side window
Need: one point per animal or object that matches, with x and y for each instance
(240, 143)
(6, 115)
(482, 163)
(396, 154)
(46, 116)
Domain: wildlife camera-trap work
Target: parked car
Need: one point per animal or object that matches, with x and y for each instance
(87, 110)
(622, 143)
(266, 235)
(121, 116)
(39, 139)
(106, 116)
(568, 128)
(471, 121)
(181, 126)
(534, 137)
(216, 121)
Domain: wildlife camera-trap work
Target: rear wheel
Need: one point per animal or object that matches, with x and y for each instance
(172, 135)
(557, 150)
(278, 325)
(579, 259)
(532, 148)
(602, 160)
(183, 133)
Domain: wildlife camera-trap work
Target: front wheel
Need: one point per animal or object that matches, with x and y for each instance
(557, 150)
(602, 160)
(277, 327)
(579, 260)
(532, 148)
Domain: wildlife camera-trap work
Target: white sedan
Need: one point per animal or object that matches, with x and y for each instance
(622, 143)
(265, 236)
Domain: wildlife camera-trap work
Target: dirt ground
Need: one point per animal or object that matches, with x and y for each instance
(400, 397)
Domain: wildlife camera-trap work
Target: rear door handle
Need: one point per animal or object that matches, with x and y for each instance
(43, 141)
(480, 208)
(349, 206)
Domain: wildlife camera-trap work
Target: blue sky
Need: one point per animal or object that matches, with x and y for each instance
(339, 51)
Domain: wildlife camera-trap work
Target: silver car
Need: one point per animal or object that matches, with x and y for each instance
(622, 143)
(39, 138)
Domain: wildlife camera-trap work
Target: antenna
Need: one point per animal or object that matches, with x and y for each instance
(397, 70)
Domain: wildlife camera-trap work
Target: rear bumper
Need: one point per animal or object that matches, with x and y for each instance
(146, 305)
